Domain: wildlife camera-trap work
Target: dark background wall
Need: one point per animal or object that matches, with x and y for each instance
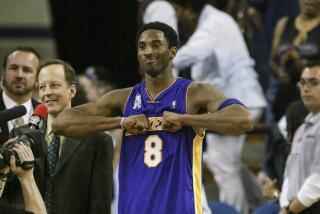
(97, 32)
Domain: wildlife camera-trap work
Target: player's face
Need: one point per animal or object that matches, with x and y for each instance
(154, 54)
(54, 91)
(20, 73)
(310, 88)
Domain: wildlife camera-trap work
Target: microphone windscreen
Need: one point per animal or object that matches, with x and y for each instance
(41, 110)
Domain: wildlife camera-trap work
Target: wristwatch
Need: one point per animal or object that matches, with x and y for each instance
(288, 211)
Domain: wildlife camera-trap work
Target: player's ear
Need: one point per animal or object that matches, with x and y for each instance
(173, 52)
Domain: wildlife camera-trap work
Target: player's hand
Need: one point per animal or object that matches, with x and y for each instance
(171, 122)
(25, 154)
(136, 124)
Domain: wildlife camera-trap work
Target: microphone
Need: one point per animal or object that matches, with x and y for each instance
(12, 113)
(39, 114)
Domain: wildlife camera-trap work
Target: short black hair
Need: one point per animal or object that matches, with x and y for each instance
(69, 72)
(28, 49)
(169, 33)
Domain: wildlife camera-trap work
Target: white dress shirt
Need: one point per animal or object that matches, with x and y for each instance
(10, 103)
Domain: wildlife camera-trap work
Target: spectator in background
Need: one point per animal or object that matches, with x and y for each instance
(75, 177)
(262, 16)
(295, 115)
(295, 42)
(96, 81)
(301, 187)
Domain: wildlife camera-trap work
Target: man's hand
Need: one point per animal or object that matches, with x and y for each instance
(171, 122)
(136, 124)
(25, 154)
(290, 55)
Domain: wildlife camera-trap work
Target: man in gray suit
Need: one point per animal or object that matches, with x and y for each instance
(76, 174)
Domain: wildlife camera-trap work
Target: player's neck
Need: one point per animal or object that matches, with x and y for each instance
(155, 85)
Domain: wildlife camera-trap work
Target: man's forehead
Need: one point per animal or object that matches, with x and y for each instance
(151, 34)
(22, 55)
(311, 72)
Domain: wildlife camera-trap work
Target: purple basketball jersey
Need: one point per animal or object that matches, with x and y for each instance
(160, 172)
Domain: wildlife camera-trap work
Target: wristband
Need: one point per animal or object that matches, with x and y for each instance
(121, 123)
(229, 102)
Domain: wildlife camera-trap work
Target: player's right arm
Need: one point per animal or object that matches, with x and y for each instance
(105, 114)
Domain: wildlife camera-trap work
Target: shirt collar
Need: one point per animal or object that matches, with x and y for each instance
(10, 103)
(312, 118)
(49, 133)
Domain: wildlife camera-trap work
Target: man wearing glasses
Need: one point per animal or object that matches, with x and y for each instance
(301, 187)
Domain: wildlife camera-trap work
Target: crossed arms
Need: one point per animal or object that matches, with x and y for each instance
(203, 101)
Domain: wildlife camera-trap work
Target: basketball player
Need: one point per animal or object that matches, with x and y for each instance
(163, 119)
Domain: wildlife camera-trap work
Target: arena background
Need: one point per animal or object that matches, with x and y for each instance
(82, 32)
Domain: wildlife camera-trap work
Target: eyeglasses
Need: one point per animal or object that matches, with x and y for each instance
(312, 82)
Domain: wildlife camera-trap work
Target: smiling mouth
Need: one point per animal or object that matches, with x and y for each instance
(148, 61)
(50, 101)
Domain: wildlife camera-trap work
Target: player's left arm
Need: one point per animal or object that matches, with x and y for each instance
(209, 108)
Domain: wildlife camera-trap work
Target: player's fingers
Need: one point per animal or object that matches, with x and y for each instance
(146, 124)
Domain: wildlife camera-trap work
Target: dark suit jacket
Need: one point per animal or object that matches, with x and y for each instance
(82, 182)
(4, 131)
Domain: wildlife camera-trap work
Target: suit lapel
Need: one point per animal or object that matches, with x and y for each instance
(69, 147)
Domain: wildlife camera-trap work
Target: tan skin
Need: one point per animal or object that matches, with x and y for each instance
(309, 12)
(20, 75)
(155, 60)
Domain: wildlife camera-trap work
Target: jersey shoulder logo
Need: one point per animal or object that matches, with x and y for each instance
(174, 104)
(137, 102)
